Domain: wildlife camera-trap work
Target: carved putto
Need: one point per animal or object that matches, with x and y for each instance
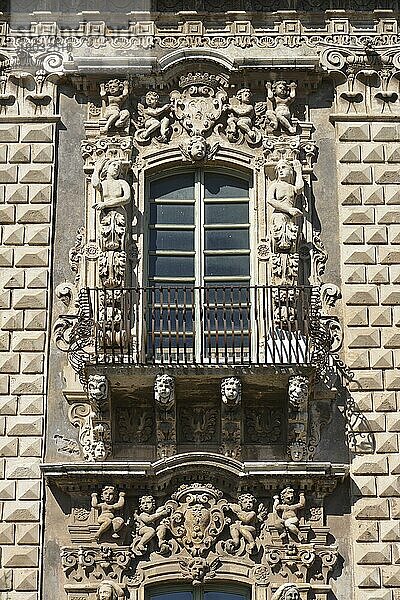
(108, 507)
(231, 390)
(114, 95)
(286, 511)
(154, 120)
(164, 390)
(242, 114)
(146, 525)
(281, 95)
(245, 525)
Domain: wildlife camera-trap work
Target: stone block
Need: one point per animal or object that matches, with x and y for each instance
(385, 401)
(392, 194)
(365, 255)
(396, 316)
(5, 299)
(7, 533)
(9, 132)
(19, 153)
(28, 490)
(394, 273)
(30, 405)
(26, 469)
(388, 255)
(32, 132)
(381, 360)
(385, 133)
(31, 257)
(358, 216)
(377, 274)
(8, 174)
(40, 194)
(373, 153)
(21, 556)
(30, 299)
(364, 337)
(367, 380)
(6, 580)
(13, 235)
(373, 195)
(376, 235)
(357, 359)
(32, 363)
(30, 447)
(4, 341)
(352, 198)
(362, 295)
(350, 154)
(35, 174)
(386, 175)
(364, 486)
(37, 278)
(9, 363)
(27, 533)
(391, 295)
(389, 486)
(367, 532)
(387, 215)
(356, 317)
(35, 319)
(42, 153)
(25, 425)
(353, 235)
(392, 379)
(391, 576)
(11, 320)
(26, 384)
(28, 341)
(373, 554)
(7, 214)
(38, 235)
(371, 508)
(26, 580)
(37, 213)
(13, 278)
(363, 401)
(355, 274)
(370, 465)
(6, 258)
(3, 153)
(8, 446)
(390, 532)
(16, 194)
(354, 133)
(380, 317)
(393, 422)
(368, 578)
(8, 405)
(7, 490)
(391, 338)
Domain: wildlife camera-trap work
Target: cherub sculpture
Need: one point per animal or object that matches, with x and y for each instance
(108, 506)
(281, 95)
(231, 390)
(164, 389)
(115, 192)
(242, 114)
(281, 195)
(245, 525)
(197, 149)
(153, 119)
(287, 591)
(114, 94)
(286, 512)
(146, 521)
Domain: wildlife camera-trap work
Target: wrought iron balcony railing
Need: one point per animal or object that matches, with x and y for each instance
(208, 325)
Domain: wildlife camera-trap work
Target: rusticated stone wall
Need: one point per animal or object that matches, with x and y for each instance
(26, 193)
(369, 177)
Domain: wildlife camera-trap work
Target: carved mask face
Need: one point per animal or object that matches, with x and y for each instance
(198, 150)
(97, 387)
(108, 494)
(105, 592)
(99, 451)
(164, 389)
(198, 570)
(231, 389)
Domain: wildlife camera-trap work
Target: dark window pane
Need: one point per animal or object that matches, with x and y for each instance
(226, 212)
(227, 266)
(170, 266)
(171, 240)
(225, 186)
(180, 187)
(226, 292)
(223, 596)
(172, 213)
(164, 293)
(225, 239)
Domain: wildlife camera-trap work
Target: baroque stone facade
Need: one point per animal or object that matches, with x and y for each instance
(199, 346)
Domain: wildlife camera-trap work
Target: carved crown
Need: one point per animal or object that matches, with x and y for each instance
(207, 79)
(196, 489)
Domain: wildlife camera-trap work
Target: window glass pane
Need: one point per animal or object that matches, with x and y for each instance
(218, 185)
(223, 596)
(227, 266)
(179, 187)
(170, 266)
(226, 212)
(172, 213)
(221, 239)
(171, 239)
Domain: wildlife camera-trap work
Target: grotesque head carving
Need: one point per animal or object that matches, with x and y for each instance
(164, 389)
(231, 390)
(98, 388)
(197, 148)
(297, 390)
